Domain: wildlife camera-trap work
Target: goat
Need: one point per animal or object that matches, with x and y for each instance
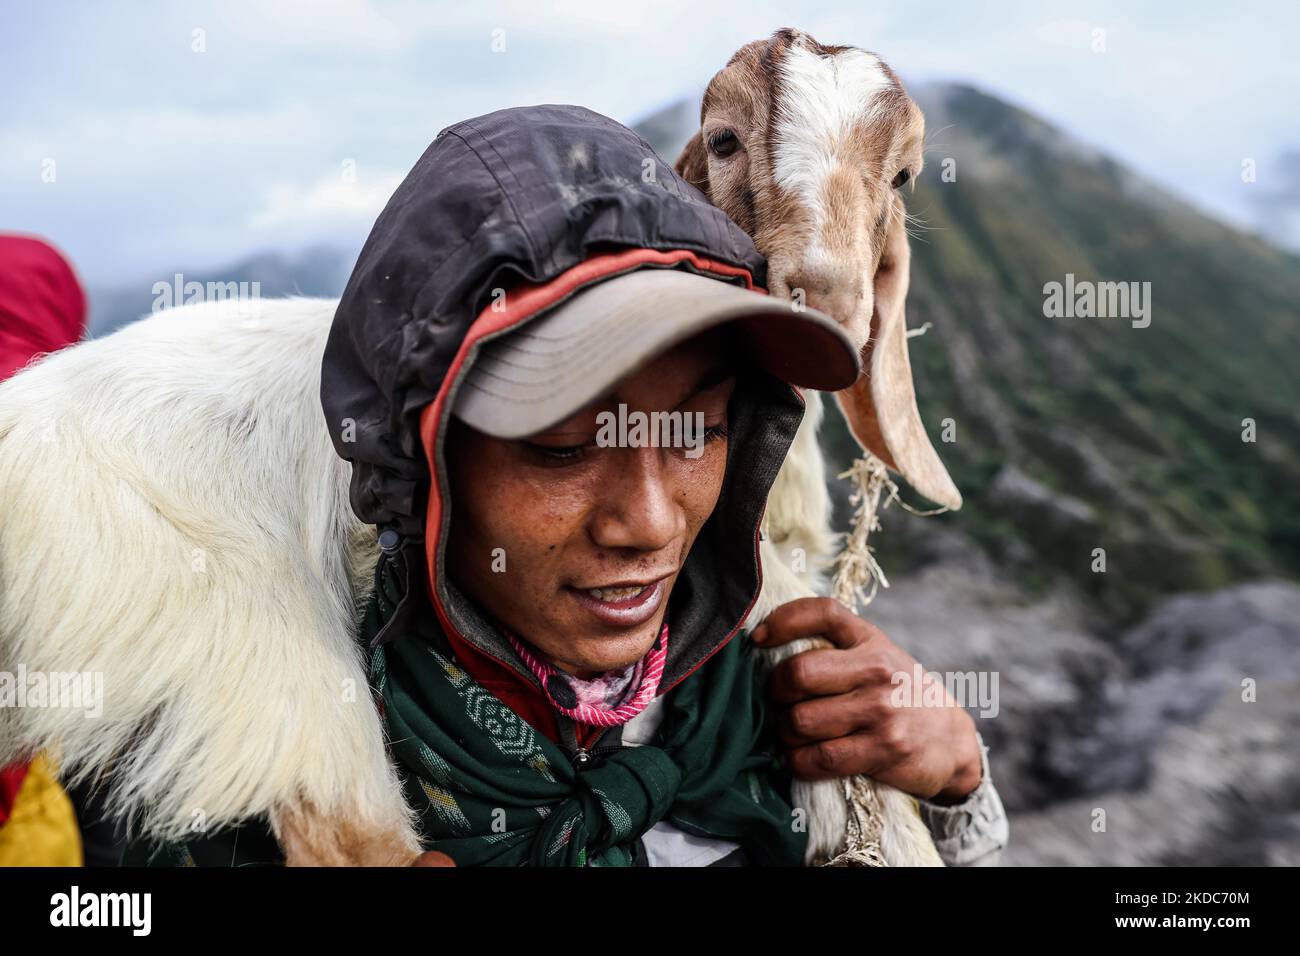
(805, 147)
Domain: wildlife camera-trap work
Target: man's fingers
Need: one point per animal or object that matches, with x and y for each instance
(817, 673)
(813, 617)
(825, 718)
(840, 757)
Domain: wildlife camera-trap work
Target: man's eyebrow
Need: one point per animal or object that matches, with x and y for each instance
(714, 375)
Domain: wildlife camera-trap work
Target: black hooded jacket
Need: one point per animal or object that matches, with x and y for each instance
(527, 196)
(519, 195)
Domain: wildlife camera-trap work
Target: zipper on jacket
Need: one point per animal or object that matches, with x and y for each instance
(580, 756)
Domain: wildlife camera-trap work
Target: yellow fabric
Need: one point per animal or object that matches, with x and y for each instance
(42, 830)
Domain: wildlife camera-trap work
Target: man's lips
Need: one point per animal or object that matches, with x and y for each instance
(623, 604)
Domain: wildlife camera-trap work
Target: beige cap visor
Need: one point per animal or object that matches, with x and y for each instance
(533, 377)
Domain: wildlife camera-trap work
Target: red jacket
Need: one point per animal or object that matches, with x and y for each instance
(42, 307)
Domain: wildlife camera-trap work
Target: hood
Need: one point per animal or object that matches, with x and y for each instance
(540, 202)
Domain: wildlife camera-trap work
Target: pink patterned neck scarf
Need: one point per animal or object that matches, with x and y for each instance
(607, 700)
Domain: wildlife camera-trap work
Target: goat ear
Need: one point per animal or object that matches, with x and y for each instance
(693, 164)
(880, 407)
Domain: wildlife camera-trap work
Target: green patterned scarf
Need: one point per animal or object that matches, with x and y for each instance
(491, 790)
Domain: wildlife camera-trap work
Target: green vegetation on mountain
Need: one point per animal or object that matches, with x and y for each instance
(1081, 433)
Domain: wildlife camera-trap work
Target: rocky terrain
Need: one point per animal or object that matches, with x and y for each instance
(1146, 723)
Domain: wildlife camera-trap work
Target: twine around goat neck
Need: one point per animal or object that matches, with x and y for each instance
(856, 567)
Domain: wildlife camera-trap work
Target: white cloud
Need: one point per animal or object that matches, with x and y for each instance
(333, 202)
(346, 26)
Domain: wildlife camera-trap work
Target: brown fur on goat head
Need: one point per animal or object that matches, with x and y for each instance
(806, 147)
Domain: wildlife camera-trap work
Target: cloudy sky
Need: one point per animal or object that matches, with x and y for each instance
(145, 136)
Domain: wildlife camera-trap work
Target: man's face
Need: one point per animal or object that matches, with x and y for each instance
(592, 537)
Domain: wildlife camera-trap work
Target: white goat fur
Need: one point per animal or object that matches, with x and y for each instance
(176, 519)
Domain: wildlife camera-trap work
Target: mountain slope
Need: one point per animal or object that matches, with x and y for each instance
(1116, 437)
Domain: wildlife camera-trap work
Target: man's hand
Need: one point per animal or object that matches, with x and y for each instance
(834, 714)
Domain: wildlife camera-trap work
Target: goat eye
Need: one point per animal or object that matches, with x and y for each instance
(723, 143)
(901, 179)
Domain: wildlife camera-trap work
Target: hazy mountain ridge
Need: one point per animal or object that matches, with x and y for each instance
(315, 271)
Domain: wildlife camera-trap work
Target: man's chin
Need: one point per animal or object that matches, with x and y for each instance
(599, 653)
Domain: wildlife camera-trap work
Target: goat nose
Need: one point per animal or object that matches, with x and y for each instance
(836, 299)
(824, 284)
(809, 285)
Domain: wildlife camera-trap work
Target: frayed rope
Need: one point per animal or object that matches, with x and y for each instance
(866, 826)
(856, 567)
